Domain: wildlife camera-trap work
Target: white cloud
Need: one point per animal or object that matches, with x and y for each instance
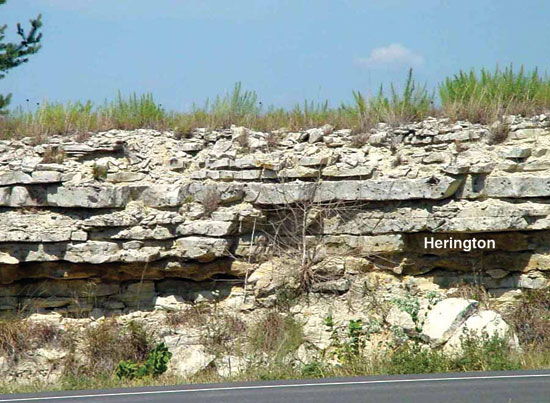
(392, 56)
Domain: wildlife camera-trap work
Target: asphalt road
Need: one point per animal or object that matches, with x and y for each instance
(501, 387)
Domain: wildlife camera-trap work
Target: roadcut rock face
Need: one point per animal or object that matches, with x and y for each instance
(128, 218)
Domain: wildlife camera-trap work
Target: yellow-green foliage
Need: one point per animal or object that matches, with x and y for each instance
(276, 334)
(485, 96)
(478, 97)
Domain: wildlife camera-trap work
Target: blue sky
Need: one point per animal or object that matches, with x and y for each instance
(184, 51)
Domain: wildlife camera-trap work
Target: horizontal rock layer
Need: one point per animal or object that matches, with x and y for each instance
(145, 207)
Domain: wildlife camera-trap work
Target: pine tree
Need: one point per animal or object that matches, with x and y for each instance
(12, 54)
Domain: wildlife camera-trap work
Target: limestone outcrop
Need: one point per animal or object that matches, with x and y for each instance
(126, 217)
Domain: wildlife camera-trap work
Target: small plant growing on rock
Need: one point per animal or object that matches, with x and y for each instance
(398, 160)
(53, 155)
(410, 305)
(82, 136)
(395, 143)
(243, 142)
(210, 202)
(349, 346)
(459, 146)
(499, 133)
(273, 140)
(276, 334)
(359, 140)
(99, 172)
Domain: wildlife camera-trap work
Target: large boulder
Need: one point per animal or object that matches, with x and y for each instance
(445, 317)
(187, 359)
(484, 324)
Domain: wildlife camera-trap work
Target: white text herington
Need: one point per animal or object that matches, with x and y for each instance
(465, 244)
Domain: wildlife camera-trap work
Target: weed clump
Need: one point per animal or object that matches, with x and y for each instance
(17, 336)
(53, 155)
(108, 343)
(210, 201)
(99, 172)
(531, 319)
(360, 140)
(276, 334)
(499, 133)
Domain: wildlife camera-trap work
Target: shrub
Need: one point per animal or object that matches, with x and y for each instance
(238, 107)
(109, 342)
(19, 336)
(499, 133)
(313, 369)
(531, 319)
(277, 334)
(99, 172)
(413, 358)
(478, 97)
(53, 154)
(273, 140)
(221, 331)
(156, 364)
(349, 347)
(126, 369)
(410, 305)
(478, 354)
(359, 140)
(196, 315)
(485, 353)
(243, 142)
(473, 291)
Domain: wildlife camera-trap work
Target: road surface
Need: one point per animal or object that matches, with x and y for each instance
(498, 387)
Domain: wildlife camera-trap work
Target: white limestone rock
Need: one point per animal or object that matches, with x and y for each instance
(484, 324)
(445, 317)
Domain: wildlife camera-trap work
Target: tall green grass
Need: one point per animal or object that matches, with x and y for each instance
(478, 97)
(485, 96)
(134, 111)
(49, 119)
(413, 103)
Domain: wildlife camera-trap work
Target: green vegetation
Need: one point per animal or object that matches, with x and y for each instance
(485, 96)
(482, 97)
(99, 172)
(414, 104)
(478, 354)
(53, 155)
(276, 334)
(14, 54)
(156, 364)
(18, 337)
(122, 354)
(106, 345)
